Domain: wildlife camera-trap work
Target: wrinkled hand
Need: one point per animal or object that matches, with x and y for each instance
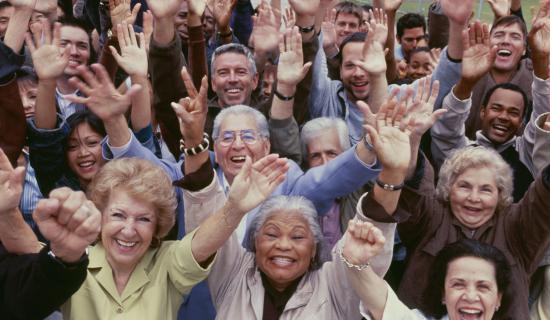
(192, 110)
(539, 36)
(102, 97)
(500, 8)
(420, 114)
(291, 69)
(163, 9)
(120, 12)
(305, 7)
(11, 184)
(133, 55)
(363, 241)
(328, 29)
(222, 11)
(390, 134)
(265, 33)
(479, 55)
(69, 221)
(458, 11)
(289, 17)
(48, 57)
(255, 182)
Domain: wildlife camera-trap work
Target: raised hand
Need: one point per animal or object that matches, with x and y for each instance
(305, 7)
(435, 54)
(46, 6)
(291, 69)
(387, 5)
(374, 61)
(163, 9)
(192, 110)
(101, 95)
(378, 26)
(289, 17)
(420, 114)
(48, 58)
(363, 241)
(120, 12)
(197, 7)
(328, 29)
(539, 36)
(458, 11)
(479, 55)
(69, 221)
(11, 184)
(265, 33)
(222, 11)
(390, 134)
(23, 3)
(147, 28)
(500, 8)
(255, 182)
(133, 54)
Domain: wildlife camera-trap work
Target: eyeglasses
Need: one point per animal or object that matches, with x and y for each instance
(248, 136)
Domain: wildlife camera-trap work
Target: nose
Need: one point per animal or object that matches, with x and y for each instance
(73, 50)
(129, 229)
(473, 195)
(238, 142)
(83, 151)
(324, 159)
(283, 243)
(471, 294)
(232, 76)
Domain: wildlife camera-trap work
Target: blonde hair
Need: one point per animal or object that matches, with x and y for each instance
(476, 157)
(141, 179)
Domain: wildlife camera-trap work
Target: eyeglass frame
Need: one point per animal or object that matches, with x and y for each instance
(258, 135)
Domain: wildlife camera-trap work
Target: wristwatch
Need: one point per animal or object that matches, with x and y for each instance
(67, 265)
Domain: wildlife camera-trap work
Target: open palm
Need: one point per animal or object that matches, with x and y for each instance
(48, 58)
(133, 55)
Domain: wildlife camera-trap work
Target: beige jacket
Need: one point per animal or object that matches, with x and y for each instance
(236, 285)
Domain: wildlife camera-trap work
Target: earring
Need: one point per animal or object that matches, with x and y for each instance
(496, 308)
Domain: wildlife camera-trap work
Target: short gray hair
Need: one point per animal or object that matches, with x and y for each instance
(315, 127)
(241, 110)
(235, 48)
(476, 157)
(290, 205)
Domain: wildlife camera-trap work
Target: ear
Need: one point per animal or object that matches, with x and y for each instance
(255, 81)
(482, 112)
(267, 146)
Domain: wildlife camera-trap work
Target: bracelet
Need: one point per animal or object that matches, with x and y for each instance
(390, 187)
(225, 35)
(280, 96)
(203, 146)
(306, 29)
(367, 143)
(359, 267)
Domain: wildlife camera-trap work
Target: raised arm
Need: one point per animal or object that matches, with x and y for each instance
(459, 13)
(539, 40)
(265, 35)
(254, 183)
(16, 236)
(222, 14)
(500, 8)
(390, 7)
(133, 59)
(18, 24)
(196, 42)
(49, 62)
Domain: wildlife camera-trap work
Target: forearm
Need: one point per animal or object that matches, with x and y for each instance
(107, 60)
(454, 47)
(193, 163)
(164, 30)
(415, 148)
(378, 91)
(386, 198)
(371, 289)
(464, 88)
(366, 155)
(281, 109)
(17, 28)
(540, 63)
(197, 54)
(16, 235)
(118, 131)
(515, 5)
(306, 21)
(214, 232)
(391, 72)
(140, 115)
(45, 116)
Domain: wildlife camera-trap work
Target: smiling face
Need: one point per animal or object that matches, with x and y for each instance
(501, 118)
(420, 65)
(27, 91)
(323, 148)
(474, 197)
(510, 43)
(355, 79)
(232, 79)
(127, 229)
(344, 25)
(79, 42)
(411, 39)
(231, 155)
(285, 247)
(180, 22)
(471, 290)
(84, 155)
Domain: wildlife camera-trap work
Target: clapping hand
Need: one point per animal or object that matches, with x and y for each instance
(363, 241)
(101, 95)
(49, 59)
(256, 181)
(69, 221)
(192, 110)
(11, 184)
(133, 54)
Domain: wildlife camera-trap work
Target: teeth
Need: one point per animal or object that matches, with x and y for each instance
(233, 90)
(86, 164)
(126, 244)
(504, 52)
(238, 158)
(282, 261)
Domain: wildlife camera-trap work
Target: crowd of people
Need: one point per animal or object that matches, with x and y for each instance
(256, 159)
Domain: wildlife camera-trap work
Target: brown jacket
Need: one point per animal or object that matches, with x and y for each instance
(521, 231)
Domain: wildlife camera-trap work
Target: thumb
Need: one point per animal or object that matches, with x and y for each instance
(305, 69)
(374, 137)
(365, 109)
(17, 176)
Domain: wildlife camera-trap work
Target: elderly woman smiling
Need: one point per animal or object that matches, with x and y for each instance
(472, 200)
(132, 273)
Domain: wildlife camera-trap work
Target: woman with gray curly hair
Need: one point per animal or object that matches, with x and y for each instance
(472, 200)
